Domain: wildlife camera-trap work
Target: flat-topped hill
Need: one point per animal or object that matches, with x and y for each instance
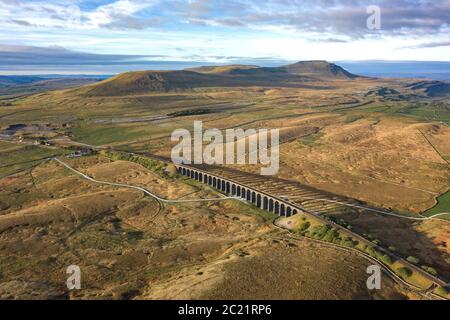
(216, 76)
(320, 69)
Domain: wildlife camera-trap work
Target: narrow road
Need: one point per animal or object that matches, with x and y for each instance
(139, 188)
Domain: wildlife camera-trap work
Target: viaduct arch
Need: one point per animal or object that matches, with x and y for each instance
(232, 188)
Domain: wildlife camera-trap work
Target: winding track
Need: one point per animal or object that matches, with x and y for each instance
(151, 194)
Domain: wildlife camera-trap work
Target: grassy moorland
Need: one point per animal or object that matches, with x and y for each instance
(376, 140)
(130, 246)
(16, 158)
(443, 205)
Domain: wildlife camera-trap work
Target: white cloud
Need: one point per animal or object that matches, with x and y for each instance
(285, 29)
(67, 14)
(108, 13)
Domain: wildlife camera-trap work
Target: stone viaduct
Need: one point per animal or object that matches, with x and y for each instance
(258, 198)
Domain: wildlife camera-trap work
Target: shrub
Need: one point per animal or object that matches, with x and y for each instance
(392, 248)
(347, 242)
(412, 259)
(430, 270)
(332, 236)
(337, 240)
(370, 251)
(304, 226)
(386, 259)
(404, 272)
(153, 165)
(192, 112)
(374, 253)
(319, 232)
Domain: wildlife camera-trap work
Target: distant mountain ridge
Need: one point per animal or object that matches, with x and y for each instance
(7, 81)
(435, 70)
(25, 87)
(216, 76)
(432, 88)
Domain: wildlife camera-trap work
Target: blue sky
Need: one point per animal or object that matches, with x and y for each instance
(225, 31)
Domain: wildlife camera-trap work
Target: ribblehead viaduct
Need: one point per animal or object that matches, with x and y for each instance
(259, 199)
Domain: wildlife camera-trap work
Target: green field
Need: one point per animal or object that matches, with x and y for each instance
(443, 205)
(99, 135)
(312, 139)
(15, 158)
(425, 112)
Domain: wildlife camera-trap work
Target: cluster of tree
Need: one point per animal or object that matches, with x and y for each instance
(412, 260)
(341, 222)
(371, 238)
(430, 270)
(324, 232)
(304, 226)
(192, 112)
(442, 291)
(404, 272)
(328, 234)
(349, 242)
(378, 255)
(153, 165)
